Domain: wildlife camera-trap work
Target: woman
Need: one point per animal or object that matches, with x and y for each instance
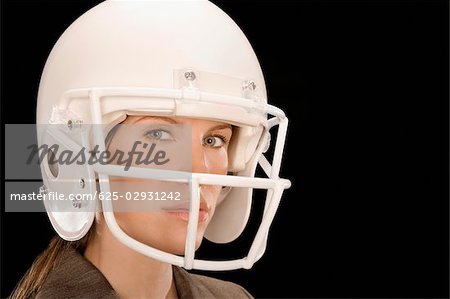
(176, 80)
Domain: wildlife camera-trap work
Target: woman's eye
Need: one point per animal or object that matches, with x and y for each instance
(213, 141)
(159, 134)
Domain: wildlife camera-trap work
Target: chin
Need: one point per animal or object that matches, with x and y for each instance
(159, 231)
(177, 245)
(169, 241)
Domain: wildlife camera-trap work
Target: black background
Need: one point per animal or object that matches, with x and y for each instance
(365, 85)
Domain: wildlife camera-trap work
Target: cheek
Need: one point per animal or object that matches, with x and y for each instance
(217, 160)
(153, 228)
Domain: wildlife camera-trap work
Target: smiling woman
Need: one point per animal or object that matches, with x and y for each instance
(185, 106)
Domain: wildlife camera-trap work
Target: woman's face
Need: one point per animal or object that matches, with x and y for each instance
(182, 144)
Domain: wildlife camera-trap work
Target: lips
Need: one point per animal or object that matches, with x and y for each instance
(181, 212)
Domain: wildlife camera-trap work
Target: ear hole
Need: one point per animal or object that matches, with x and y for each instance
(52, 163)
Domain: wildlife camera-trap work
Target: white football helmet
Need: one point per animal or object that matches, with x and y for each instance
(169, 58)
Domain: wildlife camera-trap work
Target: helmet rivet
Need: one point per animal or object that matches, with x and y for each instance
(189, 75)
(81, 183)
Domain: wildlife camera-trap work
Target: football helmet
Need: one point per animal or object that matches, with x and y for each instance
(164, 58)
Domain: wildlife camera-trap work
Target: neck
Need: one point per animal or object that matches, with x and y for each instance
(131, 274)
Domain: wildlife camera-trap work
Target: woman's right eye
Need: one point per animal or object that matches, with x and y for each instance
(159, 134)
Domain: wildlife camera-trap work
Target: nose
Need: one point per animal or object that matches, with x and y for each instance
(199, 157)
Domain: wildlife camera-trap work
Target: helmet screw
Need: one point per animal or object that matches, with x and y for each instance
(190, 75)
(81, 183)
(249, 85)
(76, 204)
(74, 123)
(43, 190)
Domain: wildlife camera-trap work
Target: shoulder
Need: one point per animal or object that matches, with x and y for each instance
(199, 286)
(221, 288)
(75, 277)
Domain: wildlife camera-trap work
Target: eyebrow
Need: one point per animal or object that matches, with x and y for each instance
(220, 127)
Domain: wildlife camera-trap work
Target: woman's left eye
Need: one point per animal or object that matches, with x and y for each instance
(159, 134)
(213, 141)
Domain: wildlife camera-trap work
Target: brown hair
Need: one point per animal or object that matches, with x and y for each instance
(34, 278)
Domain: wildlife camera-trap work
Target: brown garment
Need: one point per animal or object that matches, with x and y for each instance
(76, 277)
